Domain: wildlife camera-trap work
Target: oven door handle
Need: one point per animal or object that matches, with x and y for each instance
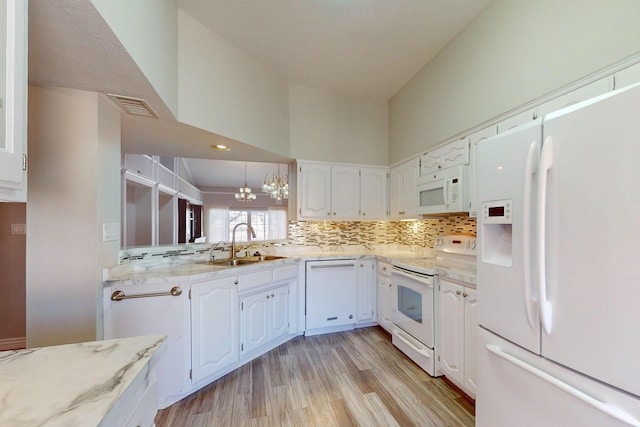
(410, 341)
(422, 279)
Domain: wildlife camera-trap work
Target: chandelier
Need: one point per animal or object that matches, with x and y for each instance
(245, 194)
(277, 186)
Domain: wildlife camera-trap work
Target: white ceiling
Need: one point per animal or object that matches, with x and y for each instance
(210, 174)
(367, 48)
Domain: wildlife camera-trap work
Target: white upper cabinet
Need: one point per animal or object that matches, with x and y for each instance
(403, 195)
(373, 193)
(314, 190)
(474, 140)
(516, 120)
(581, 94)
(345, 192)
(449, 155)
(341, 192)
(628, 76)
(13, 102)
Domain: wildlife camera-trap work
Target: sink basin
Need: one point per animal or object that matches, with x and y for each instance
(245, 260)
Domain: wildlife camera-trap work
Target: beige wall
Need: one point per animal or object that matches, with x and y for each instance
(148, 30)
(74, 186)
(326, 126)
(515, 52)
(12, 271)
(226, 92)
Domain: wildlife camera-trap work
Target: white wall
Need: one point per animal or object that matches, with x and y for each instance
(226, 92)
(326, 126)
(516, 51)
(74, 186)
(148, 30)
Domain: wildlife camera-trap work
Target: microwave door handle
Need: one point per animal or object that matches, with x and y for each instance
(546, 162)
(530, 167)
(446, 191)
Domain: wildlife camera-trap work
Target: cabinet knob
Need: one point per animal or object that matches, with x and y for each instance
(351, 316)
(364, 213)
(235, 282)
(334, 214)
(464, 295)
(272, 295)
(267, 296)
(329, 213)
(458, 292)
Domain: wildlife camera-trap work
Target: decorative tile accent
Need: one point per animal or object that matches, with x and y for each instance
(413, 233)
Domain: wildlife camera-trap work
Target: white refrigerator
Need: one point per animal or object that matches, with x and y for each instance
(559, 268)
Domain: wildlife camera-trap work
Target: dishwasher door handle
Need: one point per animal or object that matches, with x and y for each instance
(333, 265)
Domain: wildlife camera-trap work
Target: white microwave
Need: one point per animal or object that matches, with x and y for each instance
(444, 191)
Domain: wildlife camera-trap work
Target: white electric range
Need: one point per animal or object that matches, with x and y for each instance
(413, 290)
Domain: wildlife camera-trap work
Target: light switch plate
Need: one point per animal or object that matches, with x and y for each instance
(110, 232)
(18, 228)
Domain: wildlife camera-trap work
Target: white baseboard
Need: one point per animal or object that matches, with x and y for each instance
(17, 343)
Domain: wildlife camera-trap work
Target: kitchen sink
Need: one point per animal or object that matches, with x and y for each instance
(245, 260)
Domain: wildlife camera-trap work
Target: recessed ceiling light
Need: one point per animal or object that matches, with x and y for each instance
(220, 147)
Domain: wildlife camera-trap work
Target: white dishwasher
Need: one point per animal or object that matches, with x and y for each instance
(331, 302)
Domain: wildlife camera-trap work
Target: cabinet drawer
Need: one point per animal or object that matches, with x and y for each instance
(146, 411)
(254, 280)
(284, 273)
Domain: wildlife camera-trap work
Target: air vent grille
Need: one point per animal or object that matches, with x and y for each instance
(133, 106)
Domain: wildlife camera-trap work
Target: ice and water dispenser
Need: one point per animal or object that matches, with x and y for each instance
(496, 241)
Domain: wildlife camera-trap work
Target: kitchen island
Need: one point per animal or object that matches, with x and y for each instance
(100, 383)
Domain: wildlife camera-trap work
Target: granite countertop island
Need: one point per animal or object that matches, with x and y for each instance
(84, 384)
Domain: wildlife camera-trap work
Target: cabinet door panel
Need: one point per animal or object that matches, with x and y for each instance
(384, 302)
(366, 291)
(215, 319)
(279, 312)
(470, 339)
(345, 192)
(410, 173)
(254, 324)
(373, 193)
(315, 191)
(451, 330)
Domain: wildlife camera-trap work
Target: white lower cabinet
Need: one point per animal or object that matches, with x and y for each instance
(458, 326)
(129, 315)
(214, 326)
(384, 296)
(366, 291)
(264, 317)
(470, 339)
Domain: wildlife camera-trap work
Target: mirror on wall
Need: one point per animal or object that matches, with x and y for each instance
(171, 200)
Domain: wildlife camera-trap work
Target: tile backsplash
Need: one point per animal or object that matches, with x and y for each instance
(413, 233)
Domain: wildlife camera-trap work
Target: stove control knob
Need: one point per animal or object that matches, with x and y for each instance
(467, 245)
(473, 245)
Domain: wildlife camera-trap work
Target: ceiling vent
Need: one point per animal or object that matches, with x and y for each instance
(133, 106)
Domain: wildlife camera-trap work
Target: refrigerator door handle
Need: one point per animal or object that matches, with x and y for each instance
(607, 408)
(546, 162)
(530, 167)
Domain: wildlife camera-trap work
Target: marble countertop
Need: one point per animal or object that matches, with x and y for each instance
(74, 384)
(196, 267)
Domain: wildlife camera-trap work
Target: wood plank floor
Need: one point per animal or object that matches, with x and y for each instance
(354, 378)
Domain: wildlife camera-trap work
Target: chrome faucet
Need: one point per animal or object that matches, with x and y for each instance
(233, 234)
